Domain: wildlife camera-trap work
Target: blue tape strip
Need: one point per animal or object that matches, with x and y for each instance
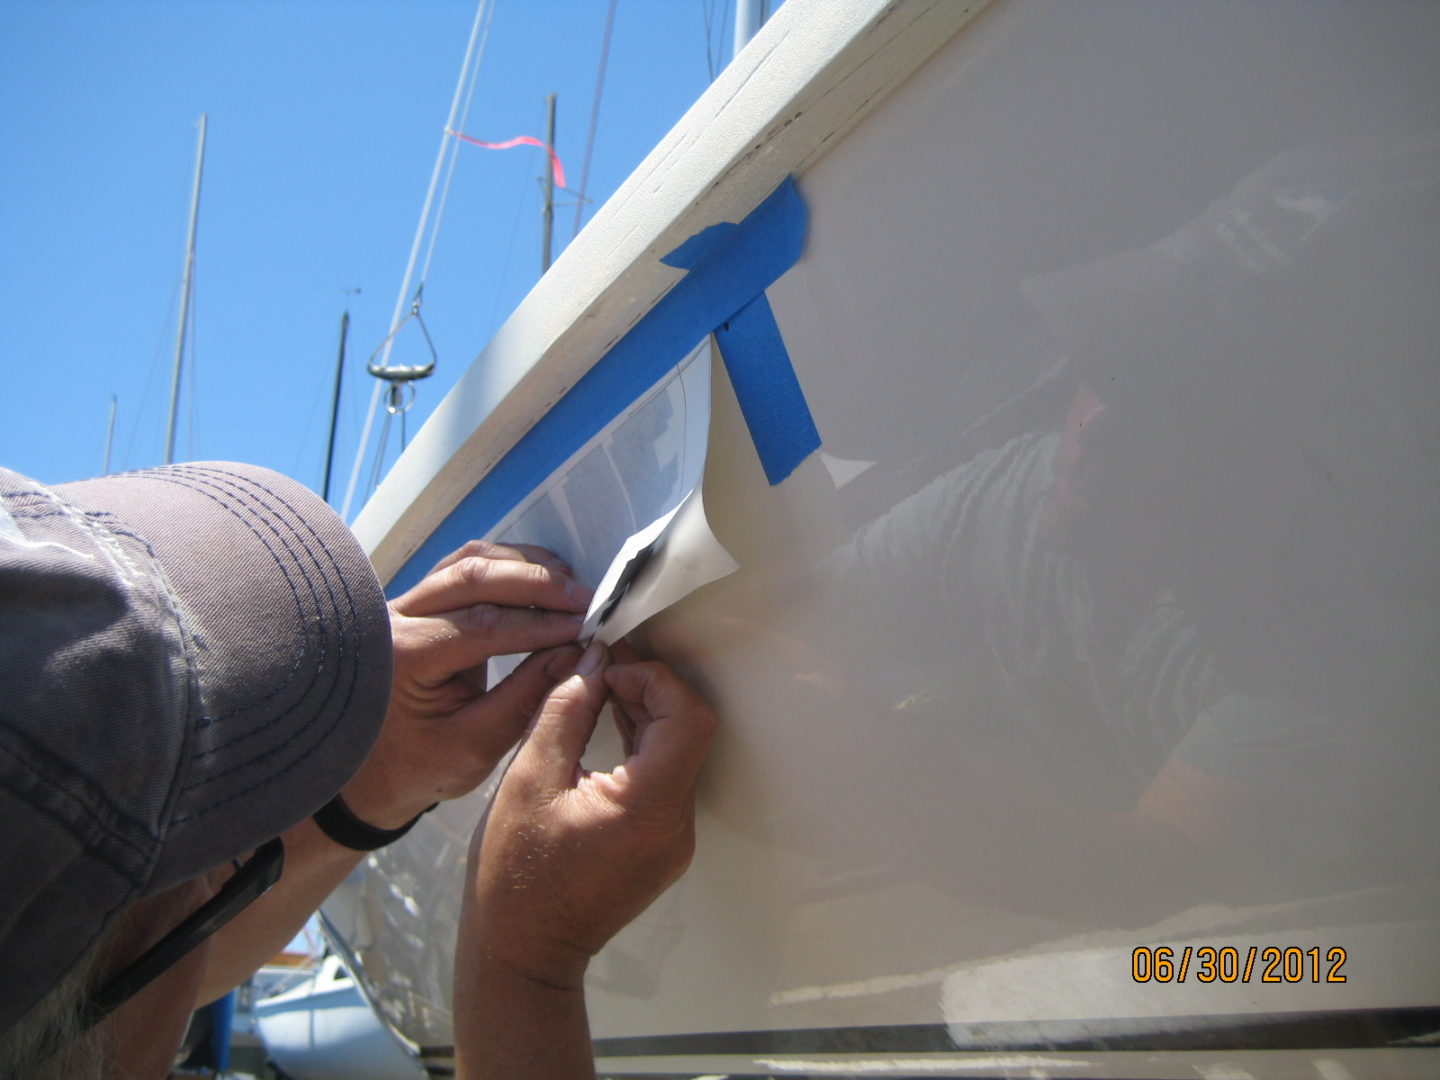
(767, 389)
(729, 266)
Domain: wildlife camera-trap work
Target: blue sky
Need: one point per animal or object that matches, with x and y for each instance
(324, 121)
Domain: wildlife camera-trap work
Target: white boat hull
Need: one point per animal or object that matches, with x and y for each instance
(324, 1029)
(1009, 707)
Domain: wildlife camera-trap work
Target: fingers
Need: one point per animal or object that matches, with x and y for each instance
(482, 573)
(435, 648)
(627, 724)
(562, 729)
(487, 549)
(524, 689)
(675, 729)
(499, 718)
(623, 652)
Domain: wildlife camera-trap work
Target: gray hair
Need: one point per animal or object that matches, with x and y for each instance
(28, 1051)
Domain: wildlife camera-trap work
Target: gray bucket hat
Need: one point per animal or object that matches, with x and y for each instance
(192, 660)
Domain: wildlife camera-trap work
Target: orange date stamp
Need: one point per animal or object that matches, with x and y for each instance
(1238, 964)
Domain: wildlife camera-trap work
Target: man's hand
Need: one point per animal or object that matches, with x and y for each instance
(445, 731)
(567, 858)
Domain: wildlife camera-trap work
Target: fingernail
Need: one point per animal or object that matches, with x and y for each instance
(575, 591)
(591, 661)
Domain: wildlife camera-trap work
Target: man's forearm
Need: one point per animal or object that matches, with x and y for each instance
(314, 866)
(508, 1025)
(566, 858)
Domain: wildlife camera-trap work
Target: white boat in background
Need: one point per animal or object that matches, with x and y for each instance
(324, 1029)
(1080, 688)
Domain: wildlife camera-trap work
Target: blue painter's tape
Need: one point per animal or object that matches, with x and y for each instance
(689, 254)
(728, 266)
(767, 389)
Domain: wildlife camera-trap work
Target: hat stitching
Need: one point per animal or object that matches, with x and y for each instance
(22, 493)
(86, 519)
(36, 986)
(166, 603)
(303, 523)
(293, 566)
(204, 479)
(45, 778)
(107, 536)
(299, 567)
(97, 836)
(341, 705)
(170, 603)
(241, 503)
(342, 644)
(102, 537)
(177, 790)
(308, 637)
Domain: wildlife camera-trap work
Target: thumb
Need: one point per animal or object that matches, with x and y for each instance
(551, 753)
(502, 714)
(674, 739)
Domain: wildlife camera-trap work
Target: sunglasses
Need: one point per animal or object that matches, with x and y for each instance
(251, 880)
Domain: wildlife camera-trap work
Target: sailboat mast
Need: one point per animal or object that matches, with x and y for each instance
(110, 434)
(335, 404)
(185, 296)
(750, 15)
(547, 214)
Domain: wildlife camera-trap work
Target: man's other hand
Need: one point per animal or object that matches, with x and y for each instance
(568, 856)
(446, 730)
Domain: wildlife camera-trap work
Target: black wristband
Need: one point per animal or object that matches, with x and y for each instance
(338, 823)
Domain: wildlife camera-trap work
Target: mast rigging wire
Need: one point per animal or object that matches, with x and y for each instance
(464, 89)
(594, 118)
(193, 382)
(155, 361)
(474, 78)
(509, 251)
(714, 43)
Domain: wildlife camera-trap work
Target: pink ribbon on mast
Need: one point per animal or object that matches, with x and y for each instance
(520, 140)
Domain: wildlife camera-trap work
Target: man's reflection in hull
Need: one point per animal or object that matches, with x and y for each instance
(1193, 628)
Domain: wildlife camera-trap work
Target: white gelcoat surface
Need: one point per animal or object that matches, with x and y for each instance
(1019, 685)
